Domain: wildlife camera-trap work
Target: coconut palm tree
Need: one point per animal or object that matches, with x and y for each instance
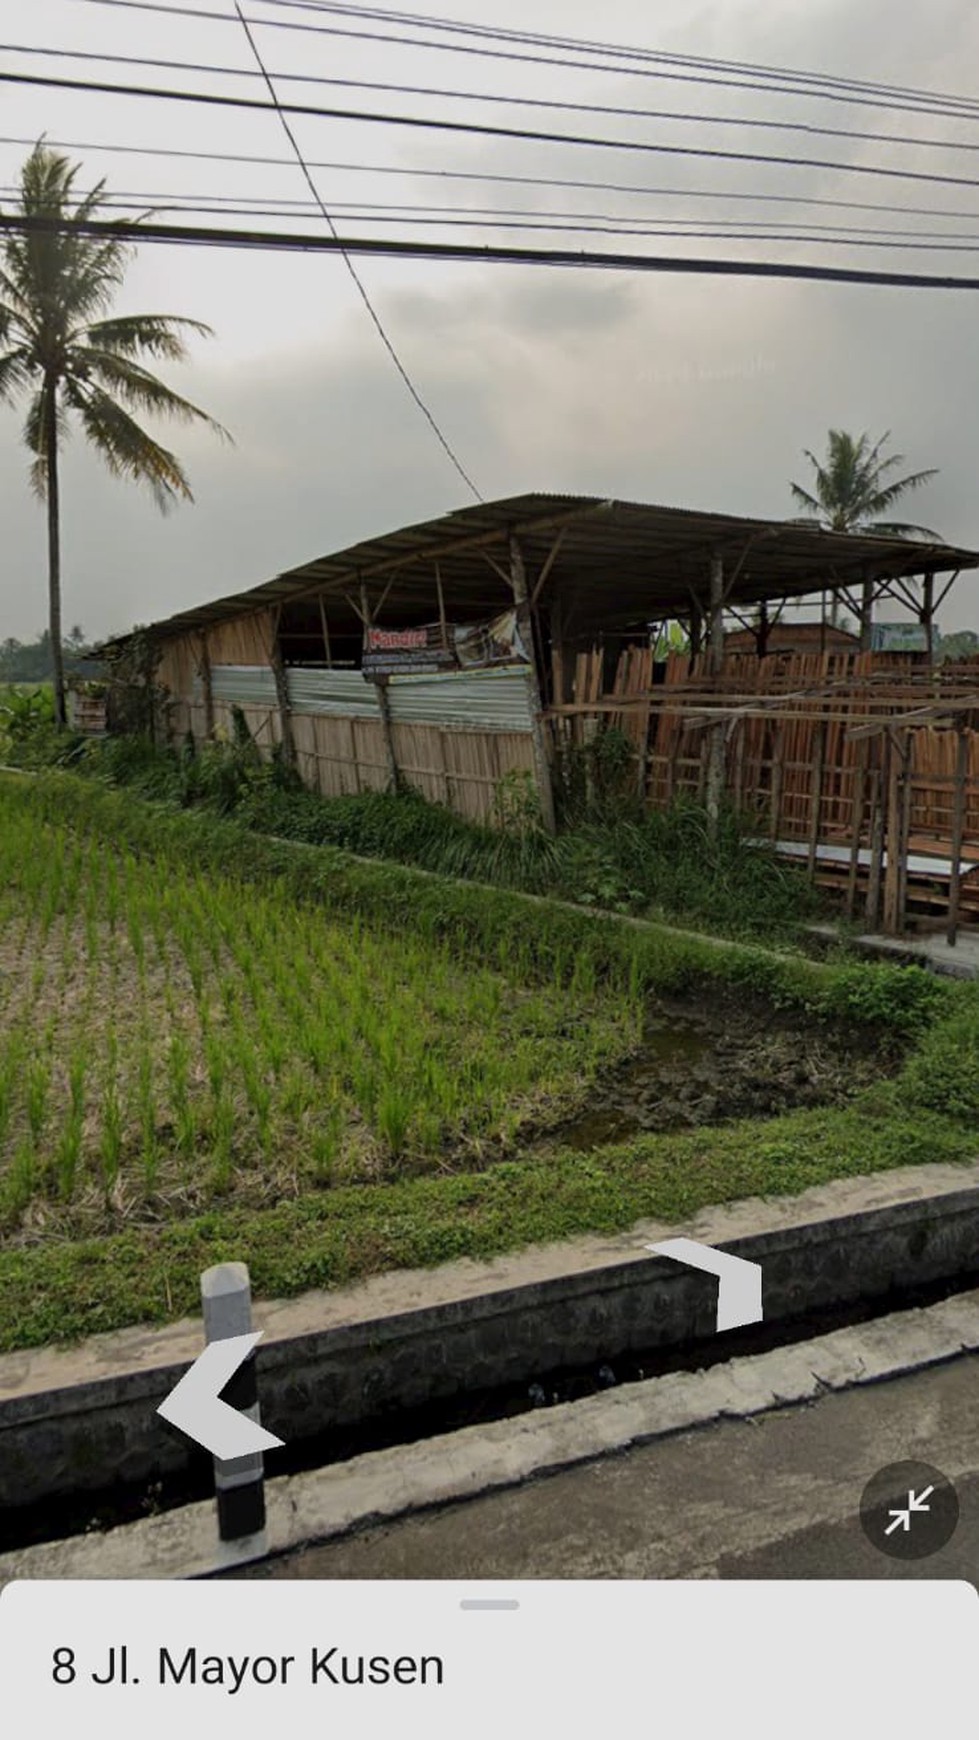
(854, 491)
(61, 348)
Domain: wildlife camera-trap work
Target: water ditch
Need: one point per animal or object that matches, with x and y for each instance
(90, 1459)
(119, 1502)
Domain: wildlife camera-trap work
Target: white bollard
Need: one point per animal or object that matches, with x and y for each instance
(226, 1297)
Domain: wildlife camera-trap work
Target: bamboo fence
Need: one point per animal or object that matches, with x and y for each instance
(867, 762)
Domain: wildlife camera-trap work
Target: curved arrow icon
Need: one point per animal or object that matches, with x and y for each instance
(739, 1292)
(195, 1408)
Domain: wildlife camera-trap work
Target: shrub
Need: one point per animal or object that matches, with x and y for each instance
(943, 1072)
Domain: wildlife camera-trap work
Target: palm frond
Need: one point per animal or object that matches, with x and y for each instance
(804, 499)
(898, 529)
(137, 388)
(133, 335)
(15, 369)
(125, 447)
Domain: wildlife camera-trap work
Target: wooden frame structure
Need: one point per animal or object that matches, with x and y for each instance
(586, 579)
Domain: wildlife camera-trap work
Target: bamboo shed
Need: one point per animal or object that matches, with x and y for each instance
(460, 652)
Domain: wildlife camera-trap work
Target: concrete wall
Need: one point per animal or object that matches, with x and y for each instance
(81, 1437)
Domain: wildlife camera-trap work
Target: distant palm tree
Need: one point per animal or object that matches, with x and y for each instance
(853, 492)
(52, 282)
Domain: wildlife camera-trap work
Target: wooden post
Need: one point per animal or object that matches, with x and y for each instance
(443, 624)
(762, 630)
(737, 781)
(958, 831)
(878, 782)
(383, 704)
(778, 738)
(866, 616)
(928, 615)
(556, 626)
(715, 760)
(677, 733)
(282, 692)
(207, 685)
(326, 633)
(542, 762)
(815, 810)
(696, 628)
(856, 826)
(892, 871)
(904, 829)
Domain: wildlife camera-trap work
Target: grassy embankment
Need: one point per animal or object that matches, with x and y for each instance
(611, 852)
(219, 1045)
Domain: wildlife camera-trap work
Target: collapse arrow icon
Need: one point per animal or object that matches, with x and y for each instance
(194, 1405)
(917, 1501)
(739, 1290)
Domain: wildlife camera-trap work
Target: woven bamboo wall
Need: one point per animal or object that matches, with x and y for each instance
(337, 755)
(245, 640)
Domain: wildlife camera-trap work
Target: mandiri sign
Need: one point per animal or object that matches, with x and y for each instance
(395, 652)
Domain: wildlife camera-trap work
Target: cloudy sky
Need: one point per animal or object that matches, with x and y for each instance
(694, 391)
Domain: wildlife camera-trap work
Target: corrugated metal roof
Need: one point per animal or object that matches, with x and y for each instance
(618, 559)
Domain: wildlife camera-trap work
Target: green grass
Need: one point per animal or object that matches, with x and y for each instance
(189, 1039)
(68, 1290)
(610, 853)
(560, 961)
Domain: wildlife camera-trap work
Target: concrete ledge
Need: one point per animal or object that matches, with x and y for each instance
(326, 1503)
(77, 1419)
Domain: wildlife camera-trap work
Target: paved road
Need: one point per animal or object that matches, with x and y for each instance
(777, 1496)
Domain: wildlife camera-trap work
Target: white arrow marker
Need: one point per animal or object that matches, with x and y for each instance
(194, 1405)
(739, 1292)
(902, 1518)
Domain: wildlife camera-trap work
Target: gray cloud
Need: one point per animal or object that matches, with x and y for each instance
(694, 391)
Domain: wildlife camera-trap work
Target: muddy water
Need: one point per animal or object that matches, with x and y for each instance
(730, 1057)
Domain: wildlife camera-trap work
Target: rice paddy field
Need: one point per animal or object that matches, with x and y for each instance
(217, 1046)
(169, 1040)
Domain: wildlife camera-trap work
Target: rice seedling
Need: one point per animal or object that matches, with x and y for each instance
(222, 1139)
(226, 1041)
(21, 1180)
(326, 1140)
(68, 1153)
(149, 1143)
(38, 1087)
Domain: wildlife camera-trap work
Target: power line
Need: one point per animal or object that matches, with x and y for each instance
(808, 128)
(516, 218)
(368, 304)
(283, 242)
(459, 27)
(482, 129)
(843, 91)
(685, 193)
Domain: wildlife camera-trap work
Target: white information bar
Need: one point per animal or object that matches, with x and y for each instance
(467, 1661)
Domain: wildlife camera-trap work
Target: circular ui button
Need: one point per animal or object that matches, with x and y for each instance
(909, 1510)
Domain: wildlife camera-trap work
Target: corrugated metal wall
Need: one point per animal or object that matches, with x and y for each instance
(455, 735)
(492, 700)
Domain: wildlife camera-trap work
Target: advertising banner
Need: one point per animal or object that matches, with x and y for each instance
(395, 652)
